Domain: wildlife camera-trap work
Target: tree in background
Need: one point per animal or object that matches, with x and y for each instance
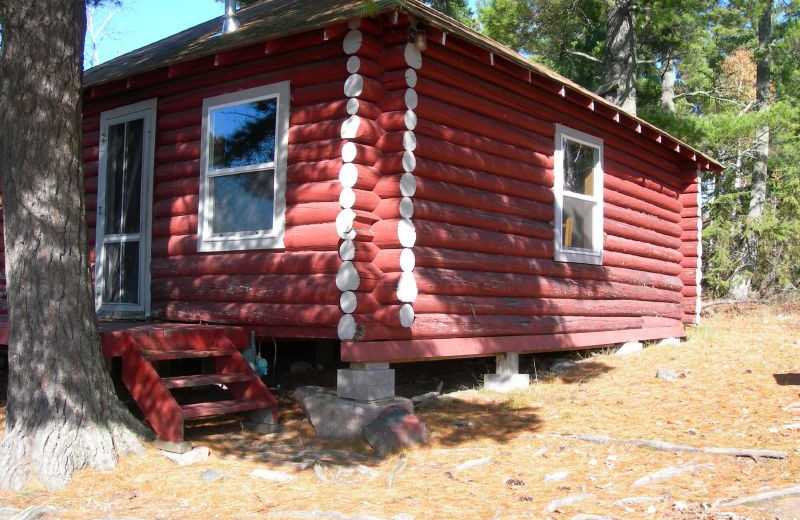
(722, 75)
(63, 413)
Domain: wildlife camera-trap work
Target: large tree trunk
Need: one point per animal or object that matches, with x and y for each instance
(619, 56)
(741, 288)
(63, 413)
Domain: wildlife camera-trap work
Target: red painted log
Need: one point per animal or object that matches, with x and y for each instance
(177, 170)
(89, 186)
(327, 110)
(530, 189)
(640, 234)
(176, 188)
(445, 192)
(438, 304)
(464, 260)
(248, 313)
(639, 192)
(636, 204)
(91, 153)
(635, 176)
(180, 225)
(616, 259)
(643, 249)
(691, 262)
(455, 325)
(311, 289)
(452, 282)
(327, 191)
(477, 141)
(442, 151)
(248, 263)
(688, 200)
(186, 151)
(179, 135)
(454, 214)
(91, 201)
(176, 206)
(689, 224)
(690, 212)
(192, 117)
(90, 138)
(464, 118)
(331, 149)
(320, 93)
(690, 291)
(688, 250)
(643, 220)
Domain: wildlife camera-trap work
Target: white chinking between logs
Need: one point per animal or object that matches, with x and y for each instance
(347, 279)
(406, 232)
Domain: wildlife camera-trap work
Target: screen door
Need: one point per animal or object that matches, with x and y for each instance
(122, 254)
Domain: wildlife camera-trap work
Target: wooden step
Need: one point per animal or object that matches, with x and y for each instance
(165, 355)
(194, 411)
(205, 380)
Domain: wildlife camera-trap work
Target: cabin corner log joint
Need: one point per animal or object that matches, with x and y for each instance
(442, 197)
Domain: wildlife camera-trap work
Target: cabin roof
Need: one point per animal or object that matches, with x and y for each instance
(271, 19)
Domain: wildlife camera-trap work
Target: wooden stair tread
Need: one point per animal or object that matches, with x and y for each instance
(205, 380)
(194, 411)
(165, 355)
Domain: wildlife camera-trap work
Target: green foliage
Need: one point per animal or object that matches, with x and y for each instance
(713, 45)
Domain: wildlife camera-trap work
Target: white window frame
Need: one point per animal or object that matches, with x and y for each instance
(576, 254)
(143, 110)
(207, 241)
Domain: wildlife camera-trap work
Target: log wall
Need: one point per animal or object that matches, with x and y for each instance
(473, 185)
(293, 292)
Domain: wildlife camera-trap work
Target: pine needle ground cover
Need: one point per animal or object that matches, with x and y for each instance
(495, 456)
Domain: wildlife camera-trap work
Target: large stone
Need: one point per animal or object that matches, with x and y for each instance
(365, 382)
(395, 428)
(338, 418)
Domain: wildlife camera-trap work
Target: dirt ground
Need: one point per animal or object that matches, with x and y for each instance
(737, 373)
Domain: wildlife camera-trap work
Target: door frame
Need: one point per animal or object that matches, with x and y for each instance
(142, 110)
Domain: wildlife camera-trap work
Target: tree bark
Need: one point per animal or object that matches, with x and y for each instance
(63, 413)
(668, 87)
(619, 56)
(741, 287)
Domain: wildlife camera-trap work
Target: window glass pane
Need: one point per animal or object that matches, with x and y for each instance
(132, 179)
(579, 163)
(115, 162)
(123, 191)
(243, 135)
(121, 272)
(243, 201)
(577, 223)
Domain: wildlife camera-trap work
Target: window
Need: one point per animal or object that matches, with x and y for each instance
(243, 169)
(578, 197)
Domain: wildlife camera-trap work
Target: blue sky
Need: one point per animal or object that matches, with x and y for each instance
(139, 22)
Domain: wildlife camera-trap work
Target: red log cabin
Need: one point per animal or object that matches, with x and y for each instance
(393, 181)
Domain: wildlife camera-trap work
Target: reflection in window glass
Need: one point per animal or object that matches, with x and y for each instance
(243, 202)
(243, 135)
(579, 162)
(121, 272)
(577, 223)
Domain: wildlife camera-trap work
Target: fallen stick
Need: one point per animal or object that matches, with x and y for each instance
(669, 446)
(761, 497)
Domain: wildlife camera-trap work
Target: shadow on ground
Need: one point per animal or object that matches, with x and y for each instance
(787, 379)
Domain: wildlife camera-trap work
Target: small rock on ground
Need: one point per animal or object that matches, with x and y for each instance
(631, 347)
(474, 463)
(195, 455)
(558, 476)
(272, 476)
(417, 399)
(666, 374)
(571, 499)
(210, 475)
(29, 513)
